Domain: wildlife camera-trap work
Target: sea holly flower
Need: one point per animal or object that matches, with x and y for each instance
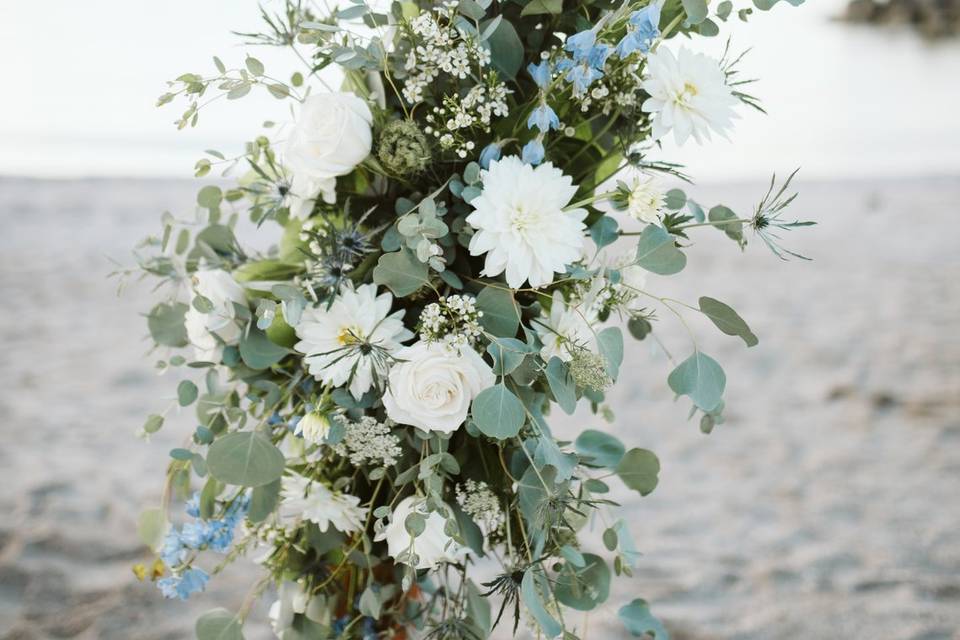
(544, 118)
(533, 152)
(643, 28)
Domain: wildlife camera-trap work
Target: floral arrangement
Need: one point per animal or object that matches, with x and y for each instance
(453, 266)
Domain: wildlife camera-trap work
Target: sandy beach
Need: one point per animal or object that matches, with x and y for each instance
(825, 508)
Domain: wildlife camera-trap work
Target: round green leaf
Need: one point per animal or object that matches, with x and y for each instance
(587, 587)
(165, 322)
(498, 413)
(701, 378)
(638, 620)
(599, 449)
(401, 272)
(219, 624)
(245, 458)
(186, 393)
(501, 316)
(657, 252)
(639, 469)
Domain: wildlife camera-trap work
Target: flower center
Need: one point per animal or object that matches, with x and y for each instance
(522, 220)
(689, 91)
(349, 336)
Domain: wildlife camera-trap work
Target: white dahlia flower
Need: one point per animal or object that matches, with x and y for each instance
(351, 340)
(301, 498)
(688, 95)
(431, 547)
(521, 224)
(644, 199)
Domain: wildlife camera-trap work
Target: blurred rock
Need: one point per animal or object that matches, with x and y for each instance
(933, 18)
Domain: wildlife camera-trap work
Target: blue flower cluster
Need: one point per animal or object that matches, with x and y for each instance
(216, 534)
(642, 30)
(586, 61)
(543, 117)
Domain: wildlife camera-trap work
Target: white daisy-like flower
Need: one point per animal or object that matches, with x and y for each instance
(521, 224)
(314, 427)
(350, 340)
(689, 95)
(645, 199)
(565, 329)
(302, 498)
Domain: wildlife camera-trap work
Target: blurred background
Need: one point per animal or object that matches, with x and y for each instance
(826, 506)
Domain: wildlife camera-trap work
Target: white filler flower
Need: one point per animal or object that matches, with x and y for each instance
(351, 340)
(304, 499)
(209, 331)
(565, 329)
(688, 95)
(431, 547)
(645, 199)
(433, 385)
(521, 223)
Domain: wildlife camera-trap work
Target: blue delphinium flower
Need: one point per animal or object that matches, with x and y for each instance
(533, 152)
(173, 551)
(490, 153)
(193, 505)
(544, 118)
(540, 73)
(184, 585)
(580, 75)
(580, 44)
(195, 535)
(644, 29)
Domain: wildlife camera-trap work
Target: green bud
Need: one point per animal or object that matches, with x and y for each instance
(403, 149)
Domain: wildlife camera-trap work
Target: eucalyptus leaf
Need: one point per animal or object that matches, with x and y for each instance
(701, 378)
(639, 470)
(245, 458)
(501, 315)
(727, 320)
(696, 10)
(638, 620)
(152, 526)
(585, 588)
(401, 272)
(561, 384)
(605, 230)
(263, 501)
(506, 49)
(498, 413)
(219, 624)
(166, 324)
(599, 449)
(657, 252)
(610, 343)
(259, 352)
(530, 594)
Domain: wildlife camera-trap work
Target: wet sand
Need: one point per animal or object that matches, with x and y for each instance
(824, 508)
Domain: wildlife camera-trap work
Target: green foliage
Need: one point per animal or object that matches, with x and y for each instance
(600, 449)
(219, 624)
(701, 378)
(258, 351)
(657, 252)
(165, 322)
(263, 501)
(152, 527)
(561, 384)
(498, 413)
(401, 271)
(586, 588)
(639, 469)
(245, 458)
(727, 320)
(638, 620)
(501, 315)
(532, 586)
(506, 48)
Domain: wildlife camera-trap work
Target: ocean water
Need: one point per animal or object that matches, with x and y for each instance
(80, 80)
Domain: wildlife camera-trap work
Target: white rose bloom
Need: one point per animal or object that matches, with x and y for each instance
(203, 329)
(431, 547)
(565, 325)
(304, 191)
(301, 498)
(335, 340)
(433, 385)
(521, 223)
(331, 136)
(688, 95)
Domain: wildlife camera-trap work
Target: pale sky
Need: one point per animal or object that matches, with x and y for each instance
(80, 80)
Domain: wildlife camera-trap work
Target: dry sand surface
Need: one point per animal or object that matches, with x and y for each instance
(826, 508)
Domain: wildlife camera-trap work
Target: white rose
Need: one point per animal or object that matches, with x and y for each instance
(331, 136)
(434, 385)
(204, 329)
(431, 547)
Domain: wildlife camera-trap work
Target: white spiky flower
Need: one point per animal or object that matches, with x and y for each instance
(689, 95)
(349, 341)
(644, 199)
(521, 224)
(302, 498)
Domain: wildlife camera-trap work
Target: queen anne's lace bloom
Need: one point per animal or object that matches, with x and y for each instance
(522, 225)
(369, 441)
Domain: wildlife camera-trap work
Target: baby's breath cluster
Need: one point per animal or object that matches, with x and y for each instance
(453, 320)
(368, 441)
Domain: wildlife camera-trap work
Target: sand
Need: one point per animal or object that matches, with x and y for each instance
(826, 507)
